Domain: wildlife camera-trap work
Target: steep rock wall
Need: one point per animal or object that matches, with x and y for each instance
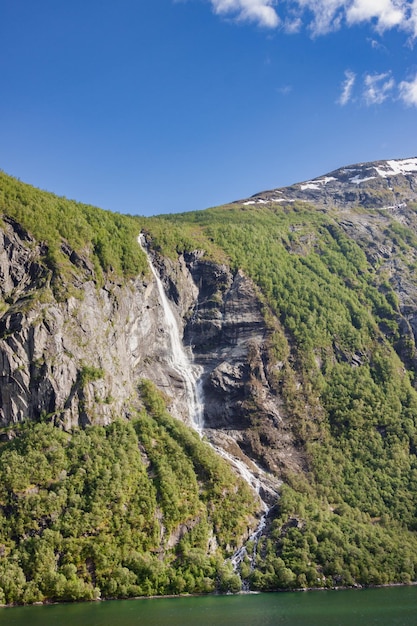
(78, 359)
(227, 334)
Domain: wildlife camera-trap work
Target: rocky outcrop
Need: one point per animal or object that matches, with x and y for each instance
(226, 331)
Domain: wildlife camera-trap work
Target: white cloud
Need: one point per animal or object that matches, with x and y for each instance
(347, 87)
(413, 18)
(378, 87)
(259, 11)
(408, 91)
(293, 25)
(387, 13)
(323, 16)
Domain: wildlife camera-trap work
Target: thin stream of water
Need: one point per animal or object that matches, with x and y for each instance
(179, 360)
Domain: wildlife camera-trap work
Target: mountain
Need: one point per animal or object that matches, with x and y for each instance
(228, 400)
(371, 185)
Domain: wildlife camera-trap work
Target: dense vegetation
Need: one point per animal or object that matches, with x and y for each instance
(99, 512)
(108, 240)
(92, 512)
(352, 518)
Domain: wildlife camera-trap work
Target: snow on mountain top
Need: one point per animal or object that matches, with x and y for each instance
(401, 166)
(340, 181)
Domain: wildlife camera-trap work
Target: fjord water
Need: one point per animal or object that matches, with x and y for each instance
(392, 606)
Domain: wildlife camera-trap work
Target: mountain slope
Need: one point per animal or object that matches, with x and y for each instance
(300, 307)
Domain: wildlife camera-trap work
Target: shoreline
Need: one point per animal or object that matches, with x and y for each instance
(203, 595)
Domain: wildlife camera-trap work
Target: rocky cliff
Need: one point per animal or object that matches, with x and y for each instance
(78, 360)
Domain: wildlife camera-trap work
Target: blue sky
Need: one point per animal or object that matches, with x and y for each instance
(155, 106)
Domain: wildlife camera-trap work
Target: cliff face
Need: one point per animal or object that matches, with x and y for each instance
(230, 337)
(55, 356)
(79, 359)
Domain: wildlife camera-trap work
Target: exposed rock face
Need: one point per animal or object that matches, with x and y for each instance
(80, 359)
(226, 324)
(380, 184)
(228, 334)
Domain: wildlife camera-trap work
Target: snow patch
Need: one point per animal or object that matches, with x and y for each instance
(317, 183)
(256, 201)
(403, 166)
(309, 185)
(357, 179)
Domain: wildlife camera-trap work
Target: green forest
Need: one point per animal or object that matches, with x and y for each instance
(89, 513)
(82, 513)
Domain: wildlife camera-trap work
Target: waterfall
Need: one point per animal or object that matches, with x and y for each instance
(261, 483)
(178, 359)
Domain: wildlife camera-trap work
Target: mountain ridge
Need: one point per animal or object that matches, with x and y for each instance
(393, 172)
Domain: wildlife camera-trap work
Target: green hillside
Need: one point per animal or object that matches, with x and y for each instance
(350, 518)
(81, 512)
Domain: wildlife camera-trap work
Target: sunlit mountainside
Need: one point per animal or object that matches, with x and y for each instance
(295, 316)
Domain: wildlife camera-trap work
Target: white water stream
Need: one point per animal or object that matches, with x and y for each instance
(178, 358)
(190, 374)
(257, 485)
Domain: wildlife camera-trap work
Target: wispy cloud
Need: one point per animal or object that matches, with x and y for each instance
(378, 87)
(322, 16)
(374, 89)
(408, 91)
(347, 87)
(284, 90)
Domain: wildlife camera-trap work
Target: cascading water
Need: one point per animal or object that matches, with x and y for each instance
(259, 485)
(179, 360)
(190, 374)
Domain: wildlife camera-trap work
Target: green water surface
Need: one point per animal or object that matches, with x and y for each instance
(395, 606)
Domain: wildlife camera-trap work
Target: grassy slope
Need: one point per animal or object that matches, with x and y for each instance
(108, 240)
